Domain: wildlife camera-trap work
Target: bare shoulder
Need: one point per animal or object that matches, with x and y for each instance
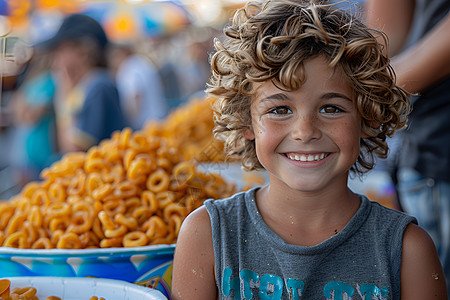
(421, 272)
(193, 269)
(197, 222)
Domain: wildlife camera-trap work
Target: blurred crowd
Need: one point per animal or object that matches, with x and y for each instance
(74, 89)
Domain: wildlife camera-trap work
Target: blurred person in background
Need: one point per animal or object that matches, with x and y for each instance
(33, 144)
(183, 64)
(87, 102)
(139, 85)
(419, 45)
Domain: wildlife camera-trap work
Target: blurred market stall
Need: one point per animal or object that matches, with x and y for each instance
(129, 21)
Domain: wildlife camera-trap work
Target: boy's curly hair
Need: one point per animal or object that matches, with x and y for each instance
(271, 41)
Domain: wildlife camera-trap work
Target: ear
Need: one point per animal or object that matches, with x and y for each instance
(248, 133)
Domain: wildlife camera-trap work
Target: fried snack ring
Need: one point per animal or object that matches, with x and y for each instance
(93, 181)
(129, 222)
(40, 197)
(42, 243)
(2, 237)
(183, 172)
(164, 163)
(124, 137)
(77, 183)
(175, 225)
(119, 231)
(132, 203)
(115, 175)
(135, 239)
(96, 165)
(81, 222)
(15, 223)
(102, 191)
(113, 207)
(56, 236)
(138, 167)
(83, 206)
(165, 198)
(149, 200)
(69, 240)
(59, 223)
(23, 206)
(59, 209)
(30, 231)
(128, 158)
(174, 208)
(24, 293)
(141, 214)
(6, 211)
(155, 227)
(125, 189)
(97, 229)
(16, 240)
(35, 217)
(158, 181)
(139, 142)
(56, 192)
(106, 220)
(29, 189)
(112, 242)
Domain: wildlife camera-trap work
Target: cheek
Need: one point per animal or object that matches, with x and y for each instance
(267, 130)
(349, 137)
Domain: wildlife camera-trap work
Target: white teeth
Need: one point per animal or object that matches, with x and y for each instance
(307, 157)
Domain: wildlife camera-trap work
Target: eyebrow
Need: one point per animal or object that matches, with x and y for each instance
(278, 96)
(281, 96)
(336, 95)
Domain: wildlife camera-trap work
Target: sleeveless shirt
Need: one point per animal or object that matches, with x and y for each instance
(252, 262)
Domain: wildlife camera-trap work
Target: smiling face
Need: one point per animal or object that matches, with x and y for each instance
(309, 138)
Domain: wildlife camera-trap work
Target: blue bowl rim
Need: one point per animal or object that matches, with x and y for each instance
(154, 250)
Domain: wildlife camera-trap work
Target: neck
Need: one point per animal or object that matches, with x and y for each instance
(306, 218)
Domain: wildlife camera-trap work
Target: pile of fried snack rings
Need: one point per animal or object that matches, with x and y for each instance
(29, 293)
(131, 190)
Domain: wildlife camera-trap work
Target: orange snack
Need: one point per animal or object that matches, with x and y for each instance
(133, 189)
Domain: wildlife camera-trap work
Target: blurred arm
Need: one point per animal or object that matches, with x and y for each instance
(427, 62)
(393, 17)
(423, 64)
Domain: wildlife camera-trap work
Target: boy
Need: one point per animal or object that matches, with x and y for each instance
(305, 92)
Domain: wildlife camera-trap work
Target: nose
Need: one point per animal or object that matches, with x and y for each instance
(306, 128)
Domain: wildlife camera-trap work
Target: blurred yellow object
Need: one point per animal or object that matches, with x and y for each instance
(189, 129)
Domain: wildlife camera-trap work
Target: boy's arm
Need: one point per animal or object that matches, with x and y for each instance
(421, 272)
(193, 269)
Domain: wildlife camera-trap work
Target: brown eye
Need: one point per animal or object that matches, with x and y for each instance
(281, 110)
(331, 109)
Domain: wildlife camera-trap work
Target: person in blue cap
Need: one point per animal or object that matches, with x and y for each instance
(87, 103)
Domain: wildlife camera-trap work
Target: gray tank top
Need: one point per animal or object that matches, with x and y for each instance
(252, 262)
